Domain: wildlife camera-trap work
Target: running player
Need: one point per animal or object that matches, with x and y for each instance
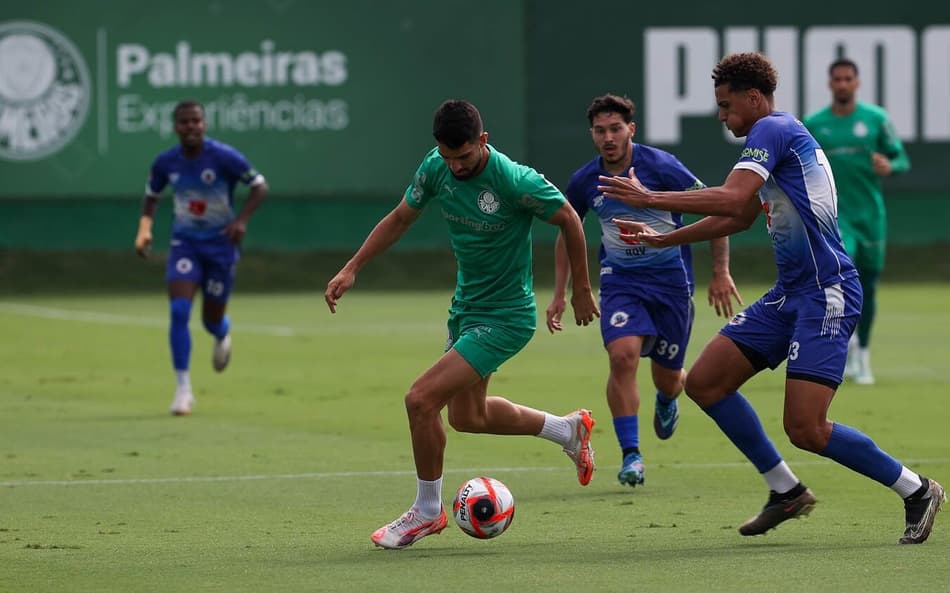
(489, 203)
(806, 318)
(206, 236)
(645, 292)
(862, 147)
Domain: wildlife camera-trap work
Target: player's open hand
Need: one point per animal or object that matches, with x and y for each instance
(721, 292)
(625, 189)
(337, 286)
(584, 305)
(554, 313)
(638, 231)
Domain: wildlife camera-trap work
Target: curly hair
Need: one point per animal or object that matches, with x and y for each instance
(611, 104)
(745, 71)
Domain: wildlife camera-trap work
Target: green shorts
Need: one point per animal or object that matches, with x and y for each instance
(487, 338)
(865, 246)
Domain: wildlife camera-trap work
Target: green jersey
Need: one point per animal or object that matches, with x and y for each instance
(489, 218)
(848, 141)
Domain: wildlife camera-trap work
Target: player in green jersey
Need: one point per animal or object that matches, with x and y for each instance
(862, 147)
(488, 202)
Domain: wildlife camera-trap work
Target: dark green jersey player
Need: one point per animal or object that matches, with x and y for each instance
(489, 203)
(862, 147)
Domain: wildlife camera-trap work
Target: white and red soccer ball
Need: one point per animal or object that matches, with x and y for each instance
(483, 507)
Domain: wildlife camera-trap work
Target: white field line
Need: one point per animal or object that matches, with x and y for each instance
(377, 474)
(117, 319)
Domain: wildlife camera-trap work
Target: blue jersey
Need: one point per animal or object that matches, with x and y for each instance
(800, 203)
(203, 187)
(660, 266)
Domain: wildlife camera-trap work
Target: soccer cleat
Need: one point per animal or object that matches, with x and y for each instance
(579, 449)
(665, 418)
(181, 405)
(408, 529)
(864, 375)
(852, 365)
(632, 472)
(779, 508)
(222, 353)
(920, 512)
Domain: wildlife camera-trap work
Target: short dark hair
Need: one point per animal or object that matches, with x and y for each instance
(745, 71)
(843, 62)
(456, 122)
(188, 104)
(611, 104)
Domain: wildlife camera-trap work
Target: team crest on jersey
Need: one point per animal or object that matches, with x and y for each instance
(208, 176)
(619, 319)
(488, 203)
(184, 265)
(599, 201)
(44, 91)
(860, 129)
(173, 178)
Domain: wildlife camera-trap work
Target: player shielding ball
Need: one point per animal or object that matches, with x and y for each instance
(489, 203)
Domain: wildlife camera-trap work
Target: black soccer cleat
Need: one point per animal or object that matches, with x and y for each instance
(795, 503)
(920, 511)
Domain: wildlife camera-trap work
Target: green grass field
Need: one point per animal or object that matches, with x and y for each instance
(300, 450)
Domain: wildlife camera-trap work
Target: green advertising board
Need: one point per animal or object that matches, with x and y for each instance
(324, 98)
(662, 57)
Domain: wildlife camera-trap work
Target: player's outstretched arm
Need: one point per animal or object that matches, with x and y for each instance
(386, 232)
(582, 297)
(143, 239)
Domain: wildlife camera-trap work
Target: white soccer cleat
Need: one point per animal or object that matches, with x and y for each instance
(852, 366)
(222, 353)
(184, 400)
(408, 529)
(864, 375)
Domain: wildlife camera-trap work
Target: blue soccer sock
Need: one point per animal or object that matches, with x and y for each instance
(218, 329)
(628, 433)
(663, 399)
(178, 334)
(855, 450)
(738, 420)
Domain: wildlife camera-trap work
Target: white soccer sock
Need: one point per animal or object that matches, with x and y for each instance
(908, 483)
(182, 379)
(557, 429)
(429, 498)
(780, 478)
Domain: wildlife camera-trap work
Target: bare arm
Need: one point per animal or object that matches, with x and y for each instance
(582, 298)
(704, 229)
(237, 228)
(386, 232)
(722, 289)
(728, 199)
(562, 273)
(143, 239)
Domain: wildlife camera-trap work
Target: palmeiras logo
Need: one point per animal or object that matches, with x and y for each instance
(488, 203)
(44, 91)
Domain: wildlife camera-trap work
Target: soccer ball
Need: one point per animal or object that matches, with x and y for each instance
(483, 507)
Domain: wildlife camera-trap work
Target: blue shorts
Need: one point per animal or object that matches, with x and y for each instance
(811, 330)
(665, 319)
(209, 263)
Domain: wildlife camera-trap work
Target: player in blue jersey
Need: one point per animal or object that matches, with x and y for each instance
(645, 291)
(206, 235)
(489, 204)
(808, 316)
